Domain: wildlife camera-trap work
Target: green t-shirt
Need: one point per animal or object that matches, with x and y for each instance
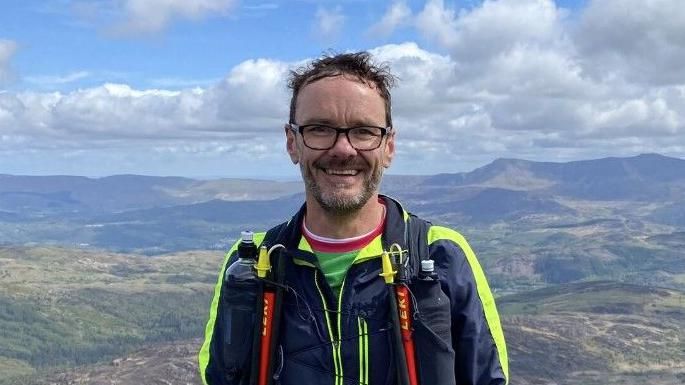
(335, 266)
(338, 257)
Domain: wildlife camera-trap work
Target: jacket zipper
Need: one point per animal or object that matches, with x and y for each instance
(335, 330)
(337, 346)
(363, 338)
(335, 343)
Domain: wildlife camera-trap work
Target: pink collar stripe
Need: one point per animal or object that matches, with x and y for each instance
(332, 245)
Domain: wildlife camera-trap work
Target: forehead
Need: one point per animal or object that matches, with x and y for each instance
(340, 99)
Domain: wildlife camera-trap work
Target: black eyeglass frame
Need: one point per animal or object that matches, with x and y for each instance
(340, 130)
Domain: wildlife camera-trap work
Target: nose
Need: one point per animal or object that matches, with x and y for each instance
(342, 147)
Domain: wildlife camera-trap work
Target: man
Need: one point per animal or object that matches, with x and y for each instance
(337, 323)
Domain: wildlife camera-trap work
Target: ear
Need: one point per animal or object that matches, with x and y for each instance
(389, 149)
(291, 144)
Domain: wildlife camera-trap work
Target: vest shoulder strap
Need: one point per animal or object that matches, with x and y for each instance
(272, 237)
(274, 234)
(417, 243)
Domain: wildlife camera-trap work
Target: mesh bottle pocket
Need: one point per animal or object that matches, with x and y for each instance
(433, 308)
(432, 333)
(239, 328)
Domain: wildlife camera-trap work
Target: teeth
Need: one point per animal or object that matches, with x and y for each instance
(341, 172)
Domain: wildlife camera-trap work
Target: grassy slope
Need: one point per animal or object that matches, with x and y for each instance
(571, 334)
(62, 307)
(603, 241)
(596, 333)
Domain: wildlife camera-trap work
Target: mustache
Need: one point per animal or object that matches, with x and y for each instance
(337, 163)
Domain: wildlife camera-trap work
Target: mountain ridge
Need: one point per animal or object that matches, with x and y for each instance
(132, 212)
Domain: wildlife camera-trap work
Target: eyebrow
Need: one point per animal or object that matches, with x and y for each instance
(328, 122)
(319, 121)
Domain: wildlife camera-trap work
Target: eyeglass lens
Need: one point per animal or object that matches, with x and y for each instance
(324, 137)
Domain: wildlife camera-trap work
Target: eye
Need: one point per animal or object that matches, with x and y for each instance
(366, 131)
(316, 129)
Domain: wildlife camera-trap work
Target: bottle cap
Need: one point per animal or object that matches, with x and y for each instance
(247, 236)
(427, 266)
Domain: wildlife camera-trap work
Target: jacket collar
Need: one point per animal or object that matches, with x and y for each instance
(394, 232)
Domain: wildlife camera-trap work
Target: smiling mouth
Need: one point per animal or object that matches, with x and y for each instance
(330, 171)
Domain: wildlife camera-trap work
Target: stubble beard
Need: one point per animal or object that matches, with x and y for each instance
(335, 201)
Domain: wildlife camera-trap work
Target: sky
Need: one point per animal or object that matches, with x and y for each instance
(198, 88)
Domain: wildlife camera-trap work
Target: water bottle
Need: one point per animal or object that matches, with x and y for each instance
(241, 287)
(427, 272)
(432, 327)
(432, 302)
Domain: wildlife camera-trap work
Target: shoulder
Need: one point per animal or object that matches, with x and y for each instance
(440, 233)
(449, 248)
(448, 241)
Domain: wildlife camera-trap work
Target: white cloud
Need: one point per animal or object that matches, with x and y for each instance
(328, 23)
(514, 78)
(7, 50)
(152, 16)
(538, 83)
(398, 14)
(261, 7)
(53, 80)
(642, 40)
(422, 79)
(532, 102)
(437, 22)
(249, 102)
(485, 32)
(171, 82)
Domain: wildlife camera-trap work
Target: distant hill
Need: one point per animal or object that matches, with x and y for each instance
(69, 195)
(531, 222)
(645, 167)
(643, 177)
(495, 204)
(215, 211)
(177, 227)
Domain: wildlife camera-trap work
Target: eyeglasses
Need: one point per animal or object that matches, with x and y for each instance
(323, 137)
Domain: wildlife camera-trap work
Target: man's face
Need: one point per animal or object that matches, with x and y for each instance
(341, 179)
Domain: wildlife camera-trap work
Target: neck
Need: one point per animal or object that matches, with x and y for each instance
(347, 225)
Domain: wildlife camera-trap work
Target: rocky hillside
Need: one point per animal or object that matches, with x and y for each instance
(591, 333)
(596, 333)
(169, 364)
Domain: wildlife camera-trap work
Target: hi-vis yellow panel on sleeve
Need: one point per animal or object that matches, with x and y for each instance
(436, 233)
(209, 329)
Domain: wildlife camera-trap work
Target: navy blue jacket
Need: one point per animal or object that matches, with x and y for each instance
(347, 340)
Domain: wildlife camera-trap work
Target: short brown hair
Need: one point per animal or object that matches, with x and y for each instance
(359, 65)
